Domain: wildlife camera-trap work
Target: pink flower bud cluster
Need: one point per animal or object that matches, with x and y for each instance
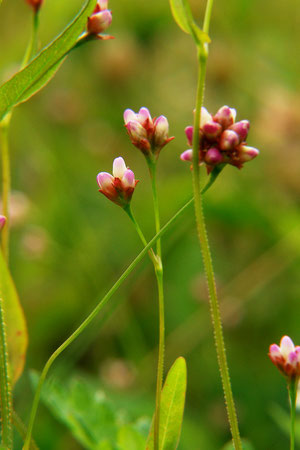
(119, 186)
(147, 134)
(222, 140)
(2, 221)
(101, 18)
(36, 4)
(286, 357)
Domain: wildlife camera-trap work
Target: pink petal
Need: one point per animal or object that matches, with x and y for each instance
(128, 179)
(189, 131)
(104, 180)
(286, 346)
(144, 115)
(187, 155)
(119, 167)
(129, 116)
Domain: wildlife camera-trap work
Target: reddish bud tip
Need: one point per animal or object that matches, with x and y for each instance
(35, 4)
(229, 140)
(213, 156)
(212, 130)
(2, 221)
(242, 129)
(225, 116)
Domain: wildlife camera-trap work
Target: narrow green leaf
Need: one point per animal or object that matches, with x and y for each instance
(172, 407)
(34, 76)
(183, 16)
(17, 338)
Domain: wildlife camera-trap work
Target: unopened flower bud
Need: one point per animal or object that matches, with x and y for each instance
(99, 22)
(213, 157)
(36, 4)
(146, 134)
(229, 140)
(2, 221)
(205, 117)
(241, 128)
(225, 116)
(120, 186)
(212, 130)
(189, 131)
(187, 155)
(247, 153)
(286, 357)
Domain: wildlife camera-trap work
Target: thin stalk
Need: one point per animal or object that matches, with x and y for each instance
(5, 386)
(159, 278)
(204, 244)
(6, 182)
(293, 385)
(161, 306)
(33, 41)
(92, 315)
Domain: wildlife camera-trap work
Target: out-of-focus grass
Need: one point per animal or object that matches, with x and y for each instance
(69, 243)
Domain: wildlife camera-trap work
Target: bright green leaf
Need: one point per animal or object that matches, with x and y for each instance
(17, 338)
(36, 75)
(129, 438)
(172, 407)
(184, 18)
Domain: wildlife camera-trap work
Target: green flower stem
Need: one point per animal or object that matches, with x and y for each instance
(161, 306)
(6, 181)
(204, 244)
(159, 277)
(93, 314)
(5, 386)
(293, 385)
(32, 46)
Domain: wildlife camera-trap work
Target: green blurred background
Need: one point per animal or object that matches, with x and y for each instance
(69, 244)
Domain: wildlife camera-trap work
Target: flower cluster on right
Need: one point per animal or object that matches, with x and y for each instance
(222, 140)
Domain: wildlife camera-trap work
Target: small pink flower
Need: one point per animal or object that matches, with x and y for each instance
(100, 20)
(147, 134)
(2, 221)
(286, 357)
(221, 140)
(120, 186)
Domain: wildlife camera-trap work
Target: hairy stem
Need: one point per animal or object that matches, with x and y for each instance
(204, 244)
(5, 386)
(293, 385)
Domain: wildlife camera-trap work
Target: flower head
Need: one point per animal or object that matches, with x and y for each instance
(36, 4)
(286, 357)
(2, 221)
(100, 20)
(147, 134)
(222, 140)
(119, 186)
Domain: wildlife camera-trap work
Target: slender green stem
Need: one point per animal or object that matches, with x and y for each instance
(159, 277)
(93, 314)
(293, 385)
(5, 187)
(203, 238)
(5, 386)
(33, 41)
(161, 307)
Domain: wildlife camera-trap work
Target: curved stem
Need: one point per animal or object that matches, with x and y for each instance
(93, 314)
(33, 41)
(293, 385)
(5, 387)
(204, 244)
